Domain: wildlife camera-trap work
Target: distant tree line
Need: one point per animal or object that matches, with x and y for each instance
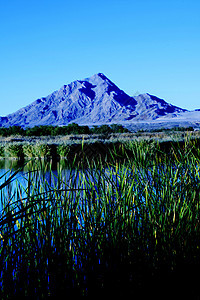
(72, 128)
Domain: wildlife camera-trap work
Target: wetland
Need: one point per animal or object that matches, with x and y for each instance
(119, 219)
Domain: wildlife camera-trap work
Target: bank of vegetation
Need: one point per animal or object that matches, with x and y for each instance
(126, 225)
(72, 140)
(72, 128)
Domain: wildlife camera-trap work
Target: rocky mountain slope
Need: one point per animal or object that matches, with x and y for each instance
(94, 100)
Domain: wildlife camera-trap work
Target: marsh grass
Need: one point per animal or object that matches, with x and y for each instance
(109, 227)
(13, 150)
(36, 150)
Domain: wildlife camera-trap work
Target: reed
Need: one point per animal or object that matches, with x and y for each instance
(105, 227)
(36, 150)
(13, 150)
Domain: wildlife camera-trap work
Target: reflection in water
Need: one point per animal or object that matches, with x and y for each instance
(37, 172)
(12, 164)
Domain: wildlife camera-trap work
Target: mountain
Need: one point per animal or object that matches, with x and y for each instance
(94, 100)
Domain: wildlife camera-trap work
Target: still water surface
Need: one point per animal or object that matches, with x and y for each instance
(37, 176)
(47, 175)
(37, 171)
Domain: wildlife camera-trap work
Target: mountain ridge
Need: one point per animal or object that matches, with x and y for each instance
(93, 101)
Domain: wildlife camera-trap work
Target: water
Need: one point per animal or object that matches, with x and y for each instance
(18, 173)
(34, 177)
(45, 175)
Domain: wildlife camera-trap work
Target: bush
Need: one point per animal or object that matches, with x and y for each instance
(14, 150)
(42, 150)
(57, 130)
(29, 150)
(3, 131)
(105, 129)
(116, 128)
(39, 131)
(12, 130)
(38, 150)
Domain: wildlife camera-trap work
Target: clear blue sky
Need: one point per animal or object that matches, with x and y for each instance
(141, 45)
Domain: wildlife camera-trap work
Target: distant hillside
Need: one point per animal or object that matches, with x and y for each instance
(94, 101)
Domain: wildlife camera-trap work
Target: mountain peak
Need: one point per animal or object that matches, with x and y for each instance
(99, 77)
(94, 100)
(103, 76)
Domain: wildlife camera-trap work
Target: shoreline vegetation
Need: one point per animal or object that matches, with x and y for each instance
(47, 142)
(123, 220)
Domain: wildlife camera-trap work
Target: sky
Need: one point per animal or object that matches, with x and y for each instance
(143, 46)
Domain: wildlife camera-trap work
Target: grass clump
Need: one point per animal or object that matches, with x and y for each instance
(36, 150)
(63, 150)
(14, 150)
